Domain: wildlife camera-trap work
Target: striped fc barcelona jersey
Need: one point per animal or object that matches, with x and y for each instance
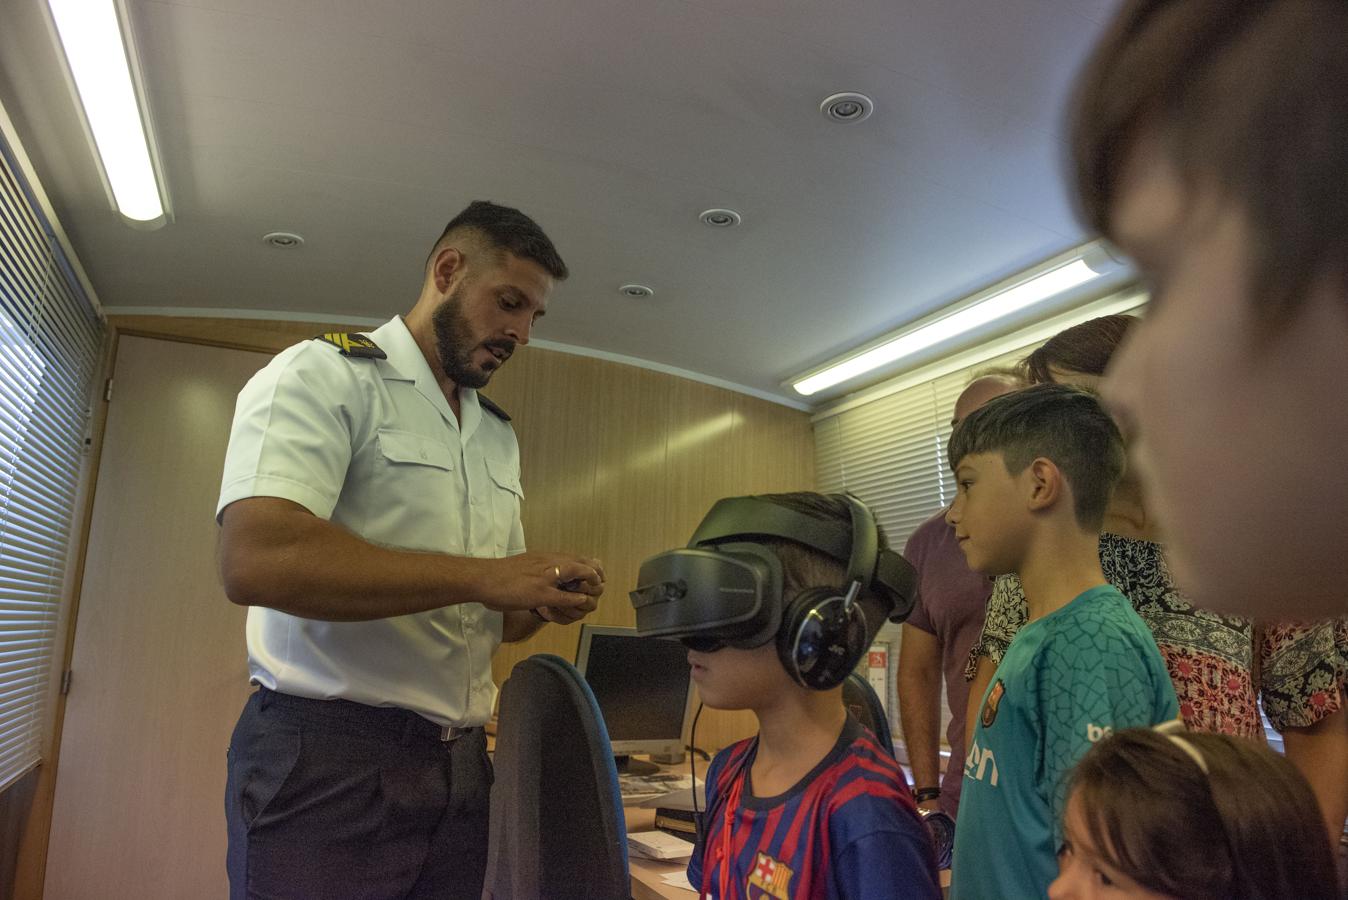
(847, 831)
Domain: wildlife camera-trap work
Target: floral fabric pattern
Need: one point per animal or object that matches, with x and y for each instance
(1304, 671)
(1303, 666)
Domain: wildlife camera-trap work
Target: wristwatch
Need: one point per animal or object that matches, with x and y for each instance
(922, 795)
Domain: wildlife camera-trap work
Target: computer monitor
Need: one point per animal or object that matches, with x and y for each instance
(644, 689)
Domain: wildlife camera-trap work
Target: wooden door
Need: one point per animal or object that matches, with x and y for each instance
(160, 668)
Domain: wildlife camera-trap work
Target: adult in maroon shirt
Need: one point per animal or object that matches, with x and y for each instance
(947, 619)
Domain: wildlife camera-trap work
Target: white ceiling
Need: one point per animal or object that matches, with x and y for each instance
(364, 125)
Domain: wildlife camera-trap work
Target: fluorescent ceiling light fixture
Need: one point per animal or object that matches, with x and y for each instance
(1027, 293)
(99, 63)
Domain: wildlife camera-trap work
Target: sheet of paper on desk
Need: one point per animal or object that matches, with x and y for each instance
(678, 880)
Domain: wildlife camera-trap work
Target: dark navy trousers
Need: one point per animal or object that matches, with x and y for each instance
(329, 799)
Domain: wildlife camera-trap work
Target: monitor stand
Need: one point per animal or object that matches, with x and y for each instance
(628, 765)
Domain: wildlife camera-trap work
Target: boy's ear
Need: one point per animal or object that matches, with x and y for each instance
(1046, 485)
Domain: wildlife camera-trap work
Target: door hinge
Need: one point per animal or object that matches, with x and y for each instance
(65, 682)
(107, 391)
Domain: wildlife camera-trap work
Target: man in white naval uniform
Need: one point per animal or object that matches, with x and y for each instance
(370, 520)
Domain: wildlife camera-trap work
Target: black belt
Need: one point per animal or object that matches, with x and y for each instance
(363, 717)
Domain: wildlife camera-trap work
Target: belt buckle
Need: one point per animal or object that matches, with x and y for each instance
(450, 733)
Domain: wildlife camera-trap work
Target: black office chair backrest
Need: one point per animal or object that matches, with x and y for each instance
(557, 829)
(864, 705)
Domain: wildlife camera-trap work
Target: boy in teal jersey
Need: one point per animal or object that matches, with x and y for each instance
(1034, 471)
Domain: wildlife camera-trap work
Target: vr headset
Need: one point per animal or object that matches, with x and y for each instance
(725, 588)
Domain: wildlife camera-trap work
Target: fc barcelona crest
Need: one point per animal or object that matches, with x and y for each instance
(770, 878)
(990, 705)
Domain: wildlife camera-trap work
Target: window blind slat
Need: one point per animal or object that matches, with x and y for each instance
(16, 704)
(9, 667)
(19, 687)
(33, 543)
(16, 741)
(12, 567)
(23, 576)
(27, 259)
(17, 509)
(19, 556)
(23, 617)
(61, 416)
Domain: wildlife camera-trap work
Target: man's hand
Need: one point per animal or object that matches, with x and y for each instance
(562, 587)
(562, 615)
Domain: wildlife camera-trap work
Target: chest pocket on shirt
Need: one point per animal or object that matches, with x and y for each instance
(505, 501)
(405, 447)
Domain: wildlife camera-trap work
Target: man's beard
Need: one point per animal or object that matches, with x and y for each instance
(455, 347)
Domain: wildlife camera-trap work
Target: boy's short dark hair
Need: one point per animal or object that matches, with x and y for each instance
(505, 229)
(804, 567)
(1249, 97)
(1064, 424)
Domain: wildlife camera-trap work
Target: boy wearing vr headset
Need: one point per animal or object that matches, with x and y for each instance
(1034, 471)
(777, 597)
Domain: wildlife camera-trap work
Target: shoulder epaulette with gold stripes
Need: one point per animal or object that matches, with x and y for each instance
(492, 408)
(357, 345)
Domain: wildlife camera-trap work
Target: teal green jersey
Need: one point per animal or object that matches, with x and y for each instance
(1067, 680)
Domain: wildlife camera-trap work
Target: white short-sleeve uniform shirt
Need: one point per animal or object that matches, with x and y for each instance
(373, 446)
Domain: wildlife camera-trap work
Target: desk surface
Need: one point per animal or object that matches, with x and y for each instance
(646, 873)
(646, 883)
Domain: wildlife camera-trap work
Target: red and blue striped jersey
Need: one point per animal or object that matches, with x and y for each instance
(849, 830)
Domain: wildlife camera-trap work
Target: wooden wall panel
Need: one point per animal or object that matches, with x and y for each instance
(618, 462)
(630, 484)
(556, 414)
(160, 670)
(767, 455)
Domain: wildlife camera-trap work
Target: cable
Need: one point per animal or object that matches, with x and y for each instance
(692, 770)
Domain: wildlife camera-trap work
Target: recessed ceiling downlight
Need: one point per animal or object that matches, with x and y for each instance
(282, 239)
(636, 290)
(720, 218)
(847, 107)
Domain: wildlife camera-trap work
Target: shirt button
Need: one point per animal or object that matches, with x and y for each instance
(474, 501)
(423, 454)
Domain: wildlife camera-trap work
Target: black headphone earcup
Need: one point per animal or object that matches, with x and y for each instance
(821, 639)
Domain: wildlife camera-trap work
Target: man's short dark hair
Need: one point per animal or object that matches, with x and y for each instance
(1250, 98)
(505, 229)
(1060, 423)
